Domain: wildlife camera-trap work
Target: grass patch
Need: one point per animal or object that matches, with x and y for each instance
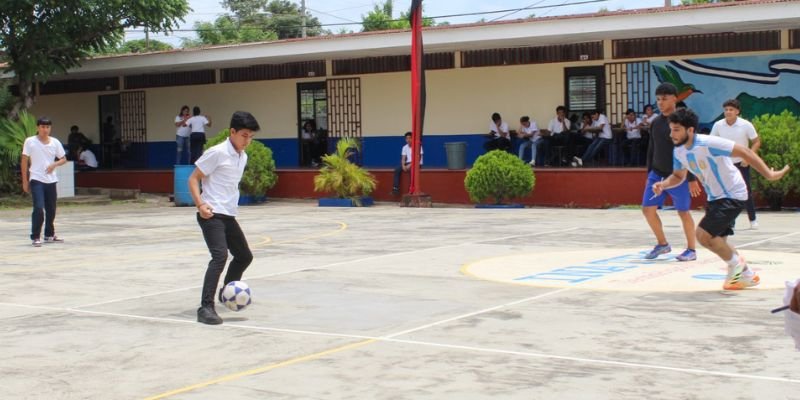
(15, 201)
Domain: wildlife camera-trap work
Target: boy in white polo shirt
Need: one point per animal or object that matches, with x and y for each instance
(220, 169)
(742, 132)
(709, 158)
(44, 154)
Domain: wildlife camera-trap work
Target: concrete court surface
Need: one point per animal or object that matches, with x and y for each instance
(392, 303)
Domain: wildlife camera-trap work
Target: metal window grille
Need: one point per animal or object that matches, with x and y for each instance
(711, 43)
(133, 128)
(344, 110)
(79, 86)
(627, 86)
(273, 71)
(533, 55)
(203, 77)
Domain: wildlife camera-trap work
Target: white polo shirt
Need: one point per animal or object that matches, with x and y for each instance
(606, 132)
(556, 126)
(632, 129)
(493, 128)
(741, 132)
(182, 131)
(41, 156)
(409, 153)
(223, 168)
(88, 158)
(532, 130)
(197, 123)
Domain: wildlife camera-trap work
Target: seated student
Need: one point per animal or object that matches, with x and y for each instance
(633, 138)
(86, 160)
(648, 117)
(583, 137)
(604, 137)
(530, 137)
(75, 141)
(499, 135)
(557, 134)
(406, 157)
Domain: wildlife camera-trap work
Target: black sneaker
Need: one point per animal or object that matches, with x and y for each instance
(207, 315)
(395, 191)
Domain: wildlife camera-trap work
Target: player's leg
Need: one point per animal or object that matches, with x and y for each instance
(50, 199)
(713, 232)
(237, 244)
(214, 235)
(37, 216)
(682, 200)
(650, 204)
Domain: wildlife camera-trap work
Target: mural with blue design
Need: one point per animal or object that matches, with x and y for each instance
(763, 84)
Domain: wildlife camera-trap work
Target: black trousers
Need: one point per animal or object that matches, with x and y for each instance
(44, 209)
(196, 141)
(750, 203)
(222, 233)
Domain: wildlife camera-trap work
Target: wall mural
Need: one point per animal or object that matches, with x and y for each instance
(763, 84)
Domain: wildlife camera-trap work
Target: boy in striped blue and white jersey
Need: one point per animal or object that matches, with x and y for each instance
(709, 159)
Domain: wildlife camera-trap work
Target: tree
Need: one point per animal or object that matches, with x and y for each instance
(142, 46)
(255, 21)
(43, 38)
(380, 19)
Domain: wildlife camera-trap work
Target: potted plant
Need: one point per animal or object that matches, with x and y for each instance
(780, 145)
(259, 173)
(12, 137)
(351, 183)
(499, 175)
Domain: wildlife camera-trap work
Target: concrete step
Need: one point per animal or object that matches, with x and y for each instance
(115, 194)
(92, 200)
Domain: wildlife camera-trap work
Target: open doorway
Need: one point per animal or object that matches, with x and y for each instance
(123, 130)
(312, 121)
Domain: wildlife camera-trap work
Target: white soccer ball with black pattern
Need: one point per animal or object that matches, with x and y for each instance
(236, 295)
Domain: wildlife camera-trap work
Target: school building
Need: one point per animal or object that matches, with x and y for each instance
(358, 85)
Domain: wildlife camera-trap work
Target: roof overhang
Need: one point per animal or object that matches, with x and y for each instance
(654, 22)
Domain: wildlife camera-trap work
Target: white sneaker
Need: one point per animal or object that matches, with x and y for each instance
(739, 277)
(577, 160)
(753, 224)
(532, 163)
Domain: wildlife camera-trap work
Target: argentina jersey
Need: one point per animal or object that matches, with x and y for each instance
(709, 160)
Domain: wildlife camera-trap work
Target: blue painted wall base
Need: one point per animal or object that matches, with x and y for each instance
(333, 202)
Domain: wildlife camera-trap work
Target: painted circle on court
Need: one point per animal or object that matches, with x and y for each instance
(627, 270)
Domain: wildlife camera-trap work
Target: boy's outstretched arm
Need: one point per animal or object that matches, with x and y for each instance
(756, 162)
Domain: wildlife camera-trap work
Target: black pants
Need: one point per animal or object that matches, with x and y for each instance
(750, 203)
(498, 143)
(197, 140)
(398, 173)
(222, 233)
(44, 209)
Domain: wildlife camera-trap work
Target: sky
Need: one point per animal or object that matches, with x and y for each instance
(346, 11)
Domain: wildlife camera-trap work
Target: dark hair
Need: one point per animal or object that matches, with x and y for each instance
(44, 121)
(407, 134)
(732, 103)
(685, 117)
(525, 119)
(630, 111)
(183, 108)
(73, 128)
(646, 106)
(561, 108)
(244, 120)
(593, 112)
(666, 88)
(680, 104)
(196, 110)
(586, 114)
(496, 117)
(310, 122)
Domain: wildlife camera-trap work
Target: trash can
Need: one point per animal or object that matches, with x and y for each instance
(456, 155)
(182, 195)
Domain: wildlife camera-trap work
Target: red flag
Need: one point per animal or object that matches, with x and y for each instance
(417, 93)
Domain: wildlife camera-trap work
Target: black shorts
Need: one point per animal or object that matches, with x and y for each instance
(720, 216)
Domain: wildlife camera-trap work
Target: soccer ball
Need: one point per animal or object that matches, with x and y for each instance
(236, 295)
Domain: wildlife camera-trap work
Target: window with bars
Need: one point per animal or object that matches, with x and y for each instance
(533, 55)
(376, 65)
(794, 38)
(273, 71)
(185, 78)
(584, 88)
(79, 86)
(728, 42)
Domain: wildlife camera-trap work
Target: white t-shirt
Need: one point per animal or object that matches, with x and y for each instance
(556, 126)
(197, 123)
(649, 119)
(741, 132)
(41, 156)
(306, 135)
(633, 133)
(493, 128)
(531, 129)
(606, 132)
(410, 154)
(88, 158)
(182, 131)
(709, 160)
(223, 168)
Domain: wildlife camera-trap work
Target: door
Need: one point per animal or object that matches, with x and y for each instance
(344, 112)
(312, 109)
(123, 130)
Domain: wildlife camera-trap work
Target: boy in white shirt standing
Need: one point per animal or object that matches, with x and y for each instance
(38, 152)
(406, 157)
(633, 137)
(197, 124)
(220, 169)
(742, 132)
(709, 158)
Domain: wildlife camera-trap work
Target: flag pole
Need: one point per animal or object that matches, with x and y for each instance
(417, 95)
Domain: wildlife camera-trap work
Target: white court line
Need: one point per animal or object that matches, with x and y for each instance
(328, 266)
(391, 339)
(472, 314)
(594, 361)
(767, 240)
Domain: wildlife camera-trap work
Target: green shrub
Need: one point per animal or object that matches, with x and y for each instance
(780, 145)
(259, 174)
(12, 137)
(499, 175)
(339, 175)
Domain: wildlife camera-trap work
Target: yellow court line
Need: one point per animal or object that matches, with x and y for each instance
(259, 370)
(342, 227)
